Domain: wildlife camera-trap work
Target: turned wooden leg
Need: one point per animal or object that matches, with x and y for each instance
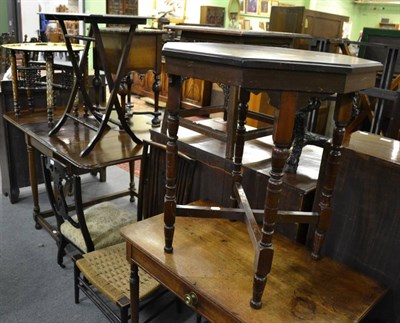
(342, 117)
(155, 122)
(283, 130)
(134, 293)
(231, 117)
(244, 97)
(132, 180)
(29, 80)
(173, 105)
(13, 62)
(50, 90)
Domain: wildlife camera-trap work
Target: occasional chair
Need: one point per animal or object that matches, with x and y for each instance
(87, 229)
(107, 270)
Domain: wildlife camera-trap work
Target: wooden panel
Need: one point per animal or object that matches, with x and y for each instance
(365, 231)
(301, 20)
(195, 93)
(210, 15)
(122, 7)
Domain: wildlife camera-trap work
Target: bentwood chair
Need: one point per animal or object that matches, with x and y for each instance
(87, 229)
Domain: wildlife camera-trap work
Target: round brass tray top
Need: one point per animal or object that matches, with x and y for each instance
(43, 47)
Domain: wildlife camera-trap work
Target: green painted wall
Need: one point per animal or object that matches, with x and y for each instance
(3, 17)
(360, 15)
(95, 6)
(371, 15)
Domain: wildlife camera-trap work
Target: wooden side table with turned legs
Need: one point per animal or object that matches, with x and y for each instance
(207, 259)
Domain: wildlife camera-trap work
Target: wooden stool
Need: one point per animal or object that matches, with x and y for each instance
(251, 68)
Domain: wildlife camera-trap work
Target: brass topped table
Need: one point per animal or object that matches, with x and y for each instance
(48, 49)
(291, 72)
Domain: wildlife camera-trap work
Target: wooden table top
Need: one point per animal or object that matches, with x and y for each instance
(138, 31)
(270, 68)
(375, 146)
(114, 148)
(235, 32)
(298, 288)
(257, 155)
(96, 18)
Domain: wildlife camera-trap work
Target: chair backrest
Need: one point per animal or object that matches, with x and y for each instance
(152, 179)
(63, 189)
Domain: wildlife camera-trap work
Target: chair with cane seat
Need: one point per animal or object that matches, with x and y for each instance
(87, 229)
(107, 271)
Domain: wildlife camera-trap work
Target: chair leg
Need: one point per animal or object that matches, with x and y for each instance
(124, 314)
(61, 252)
(77, 274)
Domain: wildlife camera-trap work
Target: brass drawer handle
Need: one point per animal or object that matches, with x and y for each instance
(191, 299)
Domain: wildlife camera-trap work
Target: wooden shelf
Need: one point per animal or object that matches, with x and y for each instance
(386, 25)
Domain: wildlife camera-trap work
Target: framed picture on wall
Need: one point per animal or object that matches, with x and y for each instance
(252, 6)
(242, 4)
(175, 9)
(264, 8)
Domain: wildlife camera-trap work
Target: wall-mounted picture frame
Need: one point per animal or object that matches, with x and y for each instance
(252, 7)
(176, 9)
(242, 5)
(264, 7)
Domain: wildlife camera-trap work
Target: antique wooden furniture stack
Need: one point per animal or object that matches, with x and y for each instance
(203, 256)
(94, 36)
(82, 142)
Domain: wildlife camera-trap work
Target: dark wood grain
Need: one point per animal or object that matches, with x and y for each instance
(69, 141)
(365, 230)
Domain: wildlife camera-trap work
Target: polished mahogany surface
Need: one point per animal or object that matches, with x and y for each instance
(383, 148)
(272, 68)
(116, 147)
